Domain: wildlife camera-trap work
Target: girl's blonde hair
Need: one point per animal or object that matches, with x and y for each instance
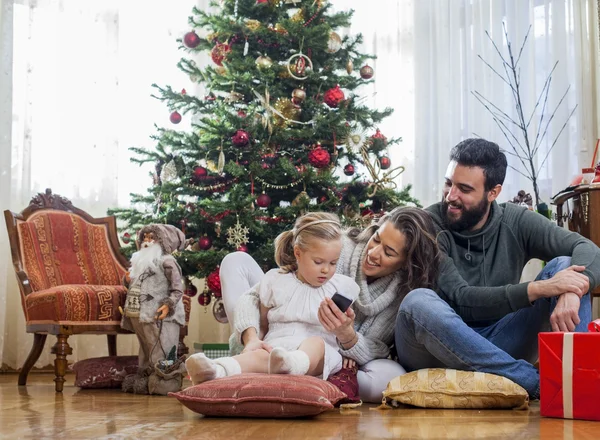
(323, 226)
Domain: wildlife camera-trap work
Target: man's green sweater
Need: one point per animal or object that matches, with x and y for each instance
(480, 279)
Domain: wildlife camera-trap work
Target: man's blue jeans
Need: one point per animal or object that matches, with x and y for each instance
(429, 334)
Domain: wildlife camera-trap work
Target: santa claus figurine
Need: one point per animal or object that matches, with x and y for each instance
(154, 310)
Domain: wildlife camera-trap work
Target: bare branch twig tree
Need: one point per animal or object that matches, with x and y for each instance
(525, 145)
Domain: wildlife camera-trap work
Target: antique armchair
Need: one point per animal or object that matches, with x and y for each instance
(69, 272)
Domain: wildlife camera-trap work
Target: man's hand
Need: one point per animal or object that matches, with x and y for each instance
(162, 312)
(335, 321)
(565, 316)
(255, 345)
(567, 280)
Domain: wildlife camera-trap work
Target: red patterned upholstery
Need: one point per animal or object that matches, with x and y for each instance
(62, 248)
(76, 303)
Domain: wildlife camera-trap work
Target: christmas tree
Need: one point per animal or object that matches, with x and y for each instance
(283, 116)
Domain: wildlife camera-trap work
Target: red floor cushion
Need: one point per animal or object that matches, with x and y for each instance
(261, 395)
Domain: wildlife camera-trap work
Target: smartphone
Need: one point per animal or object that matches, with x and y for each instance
(341, 301)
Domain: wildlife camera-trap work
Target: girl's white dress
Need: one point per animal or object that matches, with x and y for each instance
(293, 314)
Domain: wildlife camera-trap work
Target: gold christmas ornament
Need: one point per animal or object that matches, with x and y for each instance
(211, 166)
(212, 36)
(334, 43)
(263, 62)
(298, 96)
(280, 29)
(287, 109)
(220, 70)
(299, 66)
(298, 17)
(237, 235)
(253, 25)
(234, 97)
(301, 199)
(349, 66)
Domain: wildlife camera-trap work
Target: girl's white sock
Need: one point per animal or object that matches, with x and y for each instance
(282, 361)
(200, 368)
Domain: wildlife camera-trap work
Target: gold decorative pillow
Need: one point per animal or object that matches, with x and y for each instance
(444, 388)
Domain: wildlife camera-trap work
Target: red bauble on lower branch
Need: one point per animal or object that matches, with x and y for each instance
(205, 243)
(175, 117)
(191, 39)
(213, 281)
(240, 138)
(385, 163)
(333, 97)
(126, 238)
(204, 298)
(263, 200)
(191, 290)
(349, 170)
(319, 157)
(200, 172)
(242, 248)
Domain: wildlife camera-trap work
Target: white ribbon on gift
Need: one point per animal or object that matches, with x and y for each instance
(567, 375)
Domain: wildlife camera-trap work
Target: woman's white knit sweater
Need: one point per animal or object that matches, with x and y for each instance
(375, 308)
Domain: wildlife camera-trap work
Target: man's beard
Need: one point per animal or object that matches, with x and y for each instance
(468, 218)
(144, 259)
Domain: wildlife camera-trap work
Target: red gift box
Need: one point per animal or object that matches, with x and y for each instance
(570, 374)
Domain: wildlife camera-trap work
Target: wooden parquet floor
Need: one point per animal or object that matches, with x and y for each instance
(37, 412)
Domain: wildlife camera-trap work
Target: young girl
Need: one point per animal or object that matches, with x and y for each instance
(289, 302)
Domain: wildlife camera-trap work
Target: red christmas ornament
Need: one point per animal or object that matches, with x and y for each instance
(322, 199)
(333, 97)
(366, 72)
(261, 2)
(263, 200)
(191, 39)
(200, 172)
(379, 137)
(175, 117)
(385, 162)
(319, 158)
(241, 113)
(219, 52)
(210, 97)
(213, 281)
(183, 92)
(205, 243)
(243, 248)
(349, 169)
(204, 298)
(126, 237)
(366, 213)
(240, 138)
(190, 290)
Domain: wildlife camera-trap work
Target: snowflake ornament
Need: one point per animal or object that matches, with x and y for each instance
(237, 235)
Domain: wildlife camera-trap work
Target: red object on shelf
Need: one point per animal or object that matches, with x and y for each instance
(570, 374)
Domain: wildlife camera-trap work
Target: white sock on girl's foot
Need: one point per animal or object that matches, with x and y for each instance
(282, 361)
(200, 368)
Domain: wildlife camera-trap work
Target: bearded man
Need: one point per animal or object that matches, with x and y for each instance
(482, 318)
(154, 310)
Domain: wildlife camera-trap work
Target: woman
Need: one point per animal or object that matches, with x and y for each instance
(387, 260)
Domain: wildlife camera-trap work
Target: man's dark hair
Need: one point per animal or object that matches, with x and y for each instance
(477, 152)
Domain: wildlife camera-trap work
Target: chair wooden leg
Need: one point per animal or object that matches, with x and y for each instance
(39, 340)
(62, 350)
(112, 344)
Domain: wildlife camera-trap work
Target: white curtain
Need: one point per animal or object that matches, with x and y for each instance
(428, 66)
(74, 96)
